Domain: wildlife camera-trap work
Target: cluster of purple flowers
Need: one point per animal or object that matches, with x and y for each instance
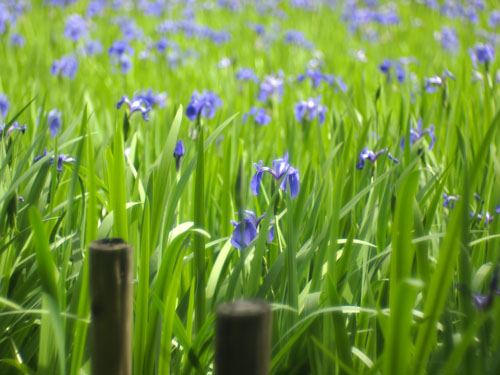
(192, 29)
(317, 77)
(281, 170)
(357, 17)
(203, 105)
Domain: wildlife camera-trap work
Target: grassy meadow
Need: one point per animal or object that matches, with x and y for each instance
(363, 136)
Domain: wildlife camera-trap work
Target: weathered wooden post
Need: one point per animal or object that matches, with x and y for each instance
(111, 307)
(243, 338)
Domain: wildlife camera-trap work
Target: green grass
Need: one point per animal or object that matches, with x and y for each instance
(368, 273)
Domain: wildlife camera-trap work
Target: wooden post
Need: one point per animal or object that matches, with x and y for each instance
(243, 338)
(111, 307)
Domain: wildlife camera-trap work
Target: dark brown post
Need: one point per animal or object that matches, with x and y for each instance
(111, 307)
(243, 338)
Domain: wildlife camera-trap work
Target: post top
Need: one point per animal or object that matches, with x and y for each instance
(248, 307)
(109, 244)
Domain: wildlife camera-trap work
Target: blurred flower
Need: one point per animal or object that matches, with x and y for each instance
(316, 77)
(449, 200)
(484, 302)
(418, 133)
(259, 114)
(179, 152)
(297, 38)
(135, 105)
(4, 105)
(270, 87)
(448, 38)
(75, 28)
(433, 83)
(93, 47)
(17, 40)
(95, 8)
(388, 66)
(367, 154)
(119, 52)
(497, 210)
(257, 27)
(203, 104)
(66, 66)
(246, 74)
(281, 170)
(308, 110)
(54, 121)
(225, 62)
(151, 99)
(482, 53)
(246, 231)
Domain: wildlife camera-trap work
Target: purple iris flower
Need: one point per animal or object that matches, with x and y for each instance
(368, 154)
(281, 170)
(75, 28)
(449, 200)
(308, 110)
(246, 230)
(4, 105)
(151, 99)
(271, 86)
(162, 45)
(388, 66)
(12, 128)
(482, 53)
(246, 74)
(55, 123)
(66, 66)
(497, 210)
(203, 104)
(259, 115)
(316, 77)
(60, 160)
(433, 83)
(179, 152)
(135, 105)
(418, 133)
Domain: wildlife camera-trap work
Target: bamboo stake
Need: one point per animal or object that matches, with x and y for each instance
(111, 307)
(243, 338)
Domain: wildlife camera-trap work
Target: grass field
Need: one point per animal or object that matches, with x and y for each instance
(339, 159)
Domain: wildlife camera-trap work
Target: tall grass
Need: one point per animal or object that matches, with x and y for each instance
(368, 272)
